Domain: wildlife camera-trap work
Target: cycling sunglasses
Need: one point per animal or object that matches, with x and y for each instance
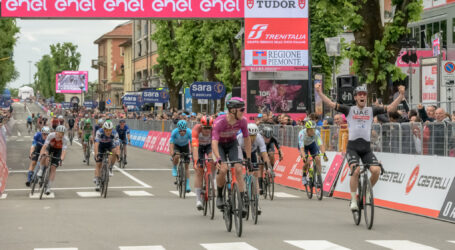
(242, 109)
(207, 127)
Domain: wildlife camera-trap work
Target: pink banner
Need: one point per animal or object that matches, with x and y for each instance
(333, 172)
(148, 140)
(3, 167)
(420, 53)
(154, 141)
(162, 143)
(123, 8)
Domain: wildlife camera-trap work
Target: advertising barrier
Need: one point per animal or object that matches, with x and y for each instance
(3, 167)
(411, 183)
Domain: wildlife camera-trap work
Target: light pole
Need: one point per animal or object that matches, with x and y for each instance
(81, 87)
(333, 48)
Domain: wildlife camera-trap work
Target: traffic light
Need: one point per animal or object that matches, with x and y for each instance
(345, 89)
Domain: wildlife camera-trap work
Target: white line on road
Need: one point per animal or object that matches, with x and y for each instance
(74, 188)
(285, 195)
(3, 196)
(91, 169)
(132, 177)
(315, 245)
(88, 194)
(400, 245)
(19, 133)
(68, 248)
(229, 246)
(142, 248)
(451, 241)
(137, 193)
(37, 194)
(190, 194)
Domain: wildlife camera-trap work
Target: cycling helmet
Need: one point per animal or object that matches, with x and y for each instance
(361, 88)
(108, 125)
(45, 130)
(253, 129)
(310, 124)
(100, 121)
(60, 128)
(267, 132)
(86, 115)
(122, 121)
(60, 117)
(207, 121)
(181, 125)
(235, 102)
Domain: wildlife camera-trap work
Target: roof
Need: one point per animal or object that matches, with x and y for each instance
(124, 30)
(127, 43)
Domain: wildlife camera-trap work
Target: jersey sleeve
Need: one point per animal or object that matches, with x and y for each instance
(171, 141)
(261, 144)
(344, 109)
(318, 138)
(64, 143)
(127, 129)
(49, 138)
(379, 110)
(215, 131)
(244, 127)
(98, 136)
(301, 137)
(195, 135)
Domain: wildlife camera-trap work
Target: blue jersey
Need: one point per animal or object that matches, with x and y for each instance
(103, 139)
(38, 141)
(29, 119)
(122, 132)
(96, 128)
(179, 140)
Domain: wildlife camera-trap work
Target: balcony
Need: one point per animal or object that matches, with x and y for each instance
(101, 61)
(95, 63)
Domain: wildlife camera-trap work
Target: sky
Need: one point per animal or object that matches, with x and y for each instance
(36, 36)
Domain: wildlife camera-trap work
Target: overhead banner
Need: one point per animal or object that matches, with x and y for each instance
(132, 99)
(125, 9)
(155, 96)
(207, 90)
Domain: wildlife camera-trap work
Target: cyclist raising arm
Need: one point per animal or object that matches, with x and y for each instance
(360, 119)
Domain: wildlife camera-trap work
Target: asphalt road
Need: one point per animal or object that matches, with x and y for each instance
(142, 213)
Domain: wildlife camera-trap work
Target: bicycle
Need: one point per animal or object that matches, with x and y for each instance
(364, 202)
(29, 127)
(34, 180)
(208, 188)
(268, 182)
(252, 198)
(46, 173)
(180, 180)
(233, 206)
(122, 156)
(315, 183)
(104, 177)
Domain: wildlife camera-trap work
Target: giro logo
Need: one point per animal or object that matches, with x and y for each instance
(345, 172)
(250, 3)
(302, 4)
(412, 179)
(256, 31)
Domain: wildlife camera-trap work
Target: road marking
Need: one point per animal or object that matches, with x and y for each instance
(88, 194)
(400, 245)
(3, 196)
(75, 188)
(285, 195)
(18, 133)
(20, 140)
(68, 248)
(229, 246)
(451, 241)
(37, 194)
(58, 170)
(132, 177)
(138, 193)
(190, 194)
(147, 169)
(315, 245)
(143, 248)
(77, 143)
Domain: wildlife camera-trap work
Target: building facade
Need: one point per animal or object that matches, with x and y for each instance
(110, 63)
(127, 66)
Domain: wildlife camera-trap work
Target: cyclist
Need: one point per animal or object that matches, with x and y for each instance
(270, 142)
(257, 146)
(61, 120)
(34, 121)
(202, 147)
(360, 119)
(123, 133)
(71, 122)
(54, 122)
(106, 140)
(81, 125)
(35, 149)
(180, 143)
(98, 126)
(56, 144)
(310, 143)
(224, 142)
(87, 135)
(29, 122)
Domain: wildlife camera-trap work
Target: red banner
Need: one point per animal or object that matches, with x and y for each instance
(3, 167)
(162, 144)
(288, 172)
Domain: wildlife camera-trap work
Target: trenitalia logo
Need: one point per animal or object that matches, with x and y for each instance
(256, 31)
(412, 179)
(276, 4)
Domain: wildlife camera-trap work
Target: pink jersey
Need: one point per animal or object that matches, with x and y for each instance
(224, 133)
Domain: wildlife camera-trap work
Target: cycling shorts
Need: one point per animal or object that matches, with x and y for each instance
(230, 149)
(103, 148)
(204, 150)
(360, 149)
(123, 140)
(254, 159)
(86, 137)
(183, 149)
(36, 153)
(71, 126)
(29, 122)
(56, 154)
(313, 149)
(270, 147)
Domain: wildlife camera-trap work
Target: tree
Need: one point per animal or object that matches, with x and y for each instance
(376, 45)
(45, 76)
(8, 38)
(14, 92)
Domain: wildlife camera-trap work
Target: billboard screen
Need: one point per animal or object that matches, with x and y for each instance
(71, 81)
(278, 96)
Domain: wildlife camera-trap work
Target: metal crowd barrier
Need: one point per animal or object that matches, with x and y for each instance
(437, 138)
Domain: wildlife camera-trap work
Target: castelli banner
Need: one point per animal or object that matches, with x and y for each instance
(123, 8)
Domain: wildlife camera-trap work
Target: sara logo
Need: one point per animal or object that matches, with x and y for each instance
(164, 95)
(256, 31)
(219, 87)
(284, 4)
(412, 179)
(345, 172)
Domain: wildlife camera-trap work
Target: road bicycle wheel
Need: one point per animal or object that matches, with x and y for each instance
(181, 181)
(87, 154)
(357, 215)
(237, 204)
(265, 185)
(34, 181)
(227, 210)
(45, 181)
(254, 201)
(106, 180)
(271, 186)
(204, 194)
(211, 196)
(309, 189)
(318, 186)
(368, 202)
(246, 201)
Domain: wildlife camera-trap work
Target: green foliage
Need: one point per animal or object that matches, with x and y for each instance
(14, 92)
(63, 57)
(8, 38)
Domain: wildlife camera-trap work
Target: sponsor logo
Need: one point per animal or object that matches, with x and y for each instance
(434, 182)
(412, 179)
(164, 95)
(276, 4)
(259, 57)
(393, 177)
(448, 208)
(250, 3)
(345, 172)
(256, 31)
(219, 87)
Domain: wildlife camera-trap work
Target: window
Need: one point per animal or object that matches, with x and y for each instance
(146, 45)
(122, 51)
(444, 33)
(139, 48)
(422, 37)
(146, 28)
